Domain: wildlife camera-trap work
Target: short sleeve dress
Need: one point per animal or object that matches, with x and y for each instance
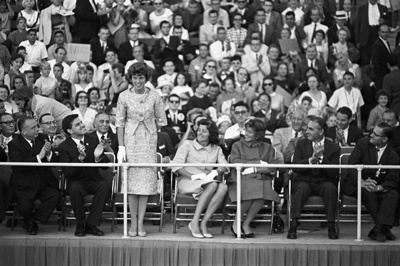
(140, 114)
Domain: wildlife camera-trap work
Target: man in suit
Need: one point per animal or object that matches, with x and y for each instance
(166, 46)
(391, 84)
(87, 19)
(368, 19)
(222, 47)
(176, 119)
(311, 60)
(282, 136)
(79, 148)
(103, 133)
(246, 12)
(343, 133)
(268, 35)
(256, 63)
(223, 16)
(31, 183)
(126, 49)
(192, 19)
(48, 125)
(100, 45)
(184, 48)
(272, 18)
(315, 149)
(7, 129)
(315, 24)
(378, 186)
(381, 52)
(165, 147)
(208, 31)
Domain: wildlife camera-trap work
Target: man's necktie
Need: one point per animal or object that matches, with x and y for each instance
(33, 143)
(81, 142)
(314, 33)
(223, 45)
(51, 139)
(388, 46)
(296, 135)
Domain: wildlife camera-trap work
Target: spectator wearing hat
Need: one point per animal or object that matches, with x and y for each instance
(223, 123)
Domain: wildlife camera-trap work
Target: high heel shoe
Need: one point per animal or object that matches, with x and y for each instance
(250, 235)
(207, 235)
(195, 235)
(132, 233)
(241, 235)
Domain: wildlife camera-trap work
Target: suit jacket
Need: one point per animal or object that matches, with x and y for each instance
(379, 58)
(172, 134)
(87, 22)
(192, 22)
(170, 51)
(362, 23)
(304, 150)
(113, 137)
(332, 34)
(391, 84)
(26, 180)
(181, 120)
(320, 67)
(275, 22)
(365, 153)
(165, 146)
(68, 152)
(125, 53)
(354, 135)
(98, 55)
(281, 138)
(269, 37)
(394, 142)
(248, 17)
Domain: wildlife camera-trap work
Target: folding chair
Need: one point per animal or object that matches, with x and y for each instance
(109, 175)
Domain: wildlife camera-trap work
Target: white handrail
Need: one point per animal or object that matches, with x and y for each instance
(238, 167)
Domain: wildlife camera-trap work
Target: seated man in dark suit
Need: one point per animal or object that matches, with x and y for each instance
(176, 119)
(344, 134)
(33, 182)
(48, 124)
(315, 149)
(378, 186)
(78, 148)
(104, 134)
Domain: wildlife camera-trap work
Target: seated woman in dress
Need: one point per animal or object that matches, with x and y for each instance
(256, 183)
(199, 181)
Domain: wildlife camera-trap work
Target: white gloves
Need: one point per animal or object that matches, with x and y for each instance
(212, 175)
(121, 155)
(249, 170)
(207, 178)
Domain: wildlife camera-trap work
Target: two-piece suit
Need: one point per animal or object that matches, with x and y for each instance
(354, 135)
(98, 52)
(365, 34)
(169, 52)
(318, 65)
(125, 52)
(6, 192)
(391, 85)
(87, 21)
(332, 34)
(33, 182)
(275, 21)
(111, 136)
(311, 181)
(379, 58)
(84, 180)
(380, 205)
(178, 121)
(269, 36)
(394, 142)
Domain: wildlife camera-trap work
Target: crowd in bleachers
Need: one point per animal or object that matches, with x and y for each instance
(310, 70)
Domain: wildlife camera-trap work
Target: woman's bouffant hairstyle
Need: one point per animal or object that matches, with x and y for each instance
(77, 98)
(258, 126)
(139, 69)
(212, 129)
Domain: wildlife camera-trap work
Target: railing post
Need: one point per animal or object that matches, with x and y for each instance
(359, 176)
(125, 192)
(239, 201)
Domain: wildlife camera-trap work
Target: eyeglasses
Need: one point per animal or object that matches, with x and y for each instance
(157, 4)
(211, 66)
(54, 122)
(82, 97)
(8, 123)
(174, 101)
(268, 84)
(240, 112)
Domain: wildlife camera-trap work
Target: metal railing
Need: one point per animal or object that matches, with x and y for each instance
(238, 167)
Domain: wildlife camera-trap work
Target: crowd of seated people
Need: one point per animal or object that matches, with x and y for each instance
(278, 62)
